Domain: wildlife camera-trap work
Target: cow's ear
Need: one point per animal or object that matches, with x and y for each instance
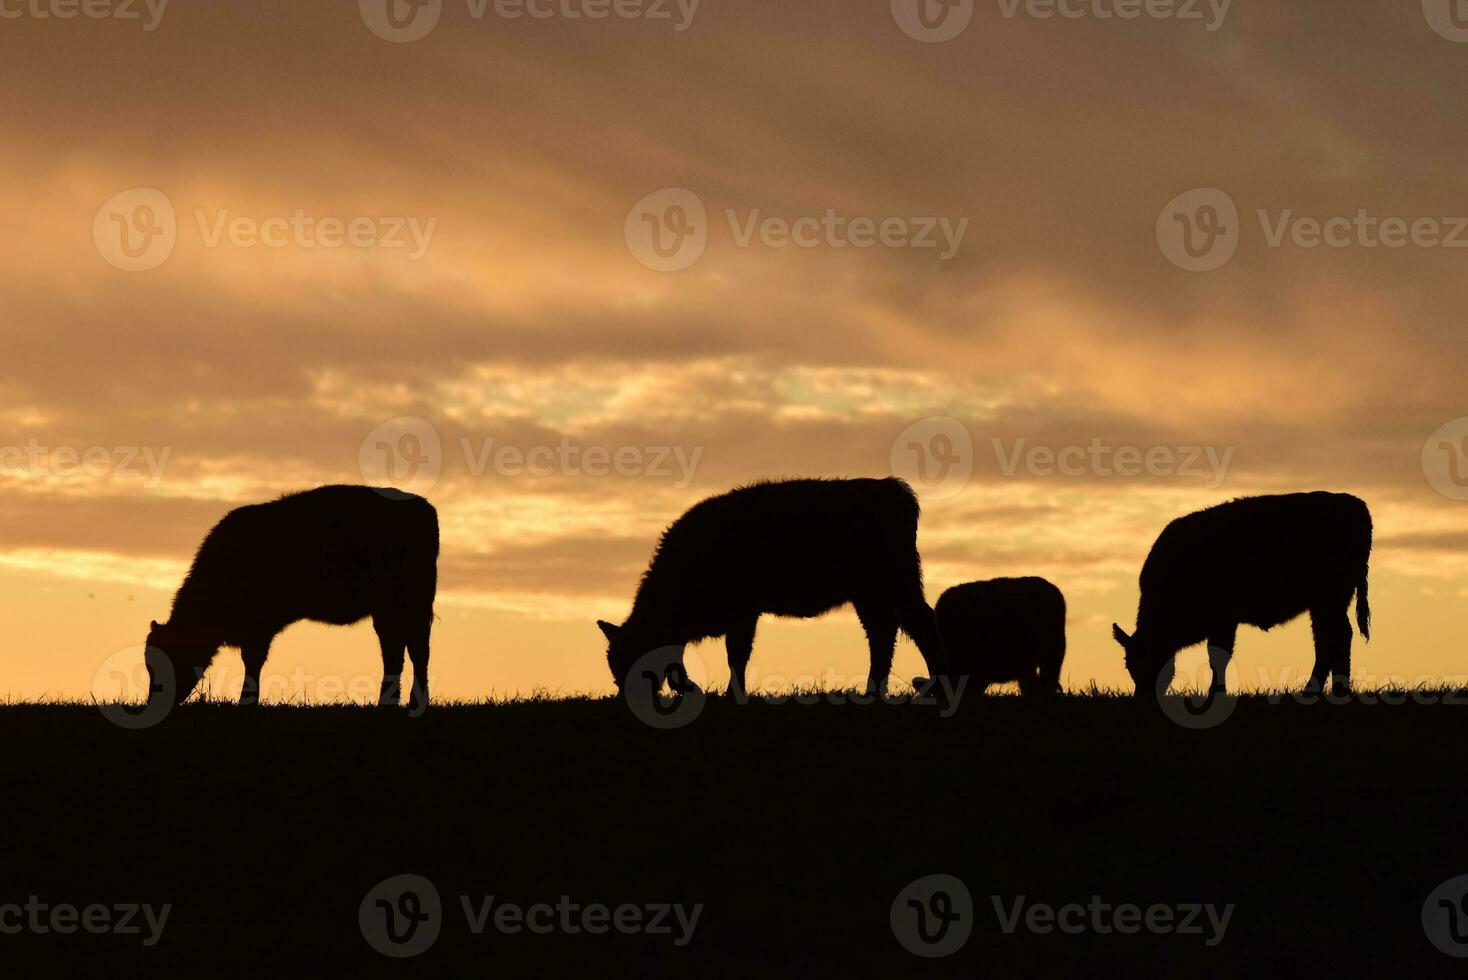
(1120, 635)
(608, 630)
(152, 624)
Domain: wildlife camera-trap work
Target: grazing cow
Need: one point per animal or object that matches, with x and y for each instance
(1256, 560)
(795, 548)
(332, 555)
(1005, 629)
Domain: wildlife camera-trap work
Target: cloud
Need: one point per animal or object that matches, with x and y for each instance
(1058, 323)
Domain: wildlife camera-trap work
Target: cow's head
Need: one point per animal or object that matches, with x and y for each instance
(629, 644)
(1151, 667)
(621, 650)
(177, 657)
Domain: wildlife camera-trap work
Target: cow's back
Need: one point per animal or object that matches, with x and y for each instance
(794, 548)
(1257, 560)
(330, 554)
(1002, 627)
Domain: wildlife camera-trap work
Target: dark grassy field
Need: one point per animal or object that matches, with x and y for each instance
(795, 826)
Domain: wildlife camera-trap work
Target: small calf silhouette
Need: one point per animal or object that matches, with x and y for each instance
(796, 548)
(1004, 629)
(1260, 561)
(336, 555)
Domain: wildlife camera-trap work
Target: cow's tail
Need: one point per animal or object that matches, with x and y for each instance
(1363, 605)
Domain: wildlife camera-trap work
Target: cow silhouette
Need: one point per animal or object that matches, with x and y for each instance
(336, 554)
(1260, 561)
(795, 548)
(1003, 629)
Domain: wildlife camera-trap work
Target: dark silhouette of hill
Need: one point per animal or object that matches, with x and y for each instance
(797, 548)
(336, 555)
(1259, 561)
(796, 826)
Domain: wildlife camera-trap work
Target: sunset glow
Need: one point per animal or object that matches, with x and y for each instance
(576, 401)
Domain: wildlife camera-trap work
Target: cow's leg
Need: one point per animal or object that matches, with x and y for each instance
(880, 624)
(253, 654)
(1220, 652)
(739, 642)
(1331, 626)
(1029, 682)
(390, 636)
(916, 618)
(1051, 658)
(1340, 666)
(418, 653)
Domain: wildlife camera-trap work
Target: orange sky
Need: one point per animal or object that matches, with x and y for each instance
(514, 159)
